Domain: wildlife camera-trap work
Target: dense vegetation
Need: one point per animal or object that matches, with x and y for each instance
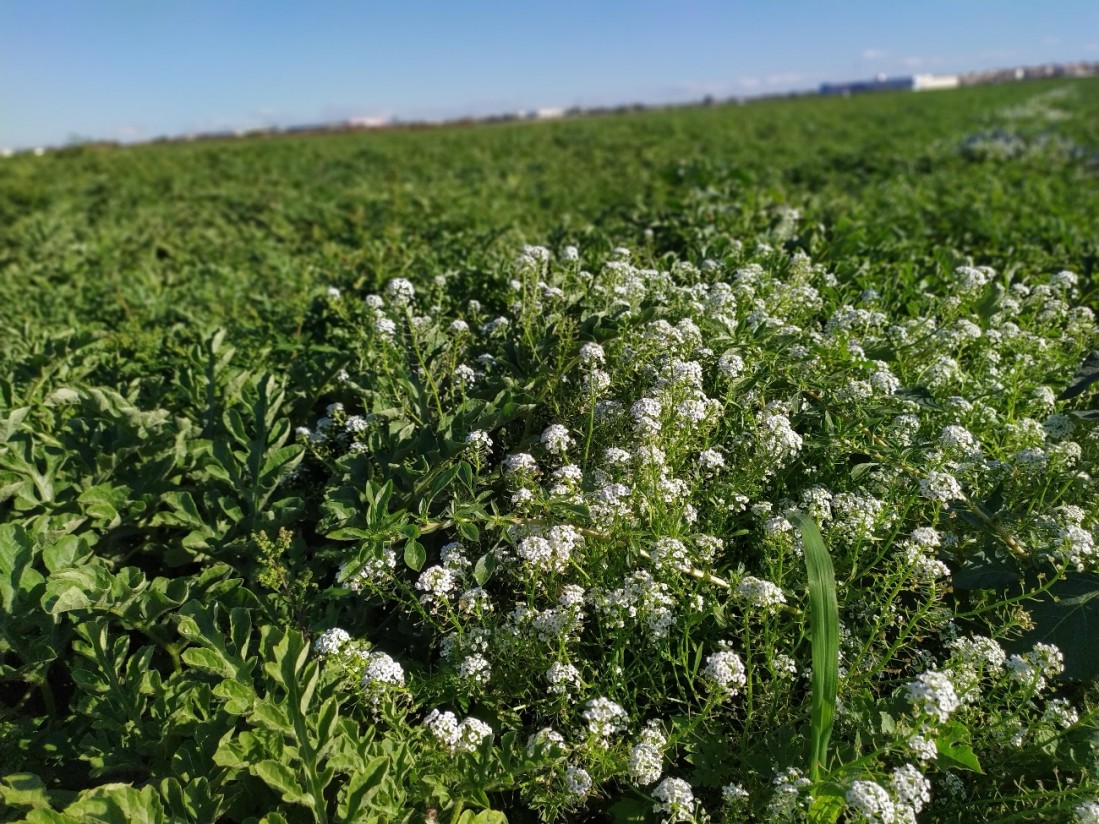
(728, 463)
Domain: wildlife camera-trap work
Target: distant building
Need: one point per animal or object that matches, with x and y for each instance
(367, 122)
(930, 82)
(881, 83)
(550, 114)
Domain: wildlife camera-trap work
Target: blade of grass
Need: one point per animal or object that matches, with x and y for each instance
(824, 633)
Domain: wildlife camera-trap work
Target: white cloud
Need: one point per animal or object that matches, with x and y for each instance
(913, 62)
(787, 79)
(748, 82)
(129, 132)
(874, 54)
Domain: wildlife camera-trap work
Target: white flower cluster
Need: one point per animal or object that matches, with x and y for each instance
(871, 802)
(646, 416)
(918, 551)
(973, 658)
(933, 695)
(923, 748)
(670, 553)
(639, 597)
(726, 672)
(475, 670)
(464, 375)
(856, 513)
(400, 292)
(1060, 713)
(331, 641)
(521, 464)
(790, 795)
(578, 782)
(1087, 813)
(374, 572)
(556, 439)
(454, 736)
(755, 592)
(942, 487)
(1074, 548)
(475, 601)
(1033, 669)
(777, 440)
(592, 354)
(676, 800)
(437, 583)
(733, 794)
(563, 679)
(380, 673)
(647, 756)
(911, 789)
(550, 549)
(605, 718)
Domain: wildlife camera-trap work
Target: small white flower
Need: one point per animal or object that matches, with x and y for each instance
(942, 487)
(759, 593)
(592, 354)
(331, 641)
(385, 328)
(479, 441)
(605, 718)
(872, 802)
(465, 375)
(400, 291)
(577, 782)
(711, 460)
(647, 757)
(911, 787)
(555, 438)
(1087, 813)
(380, 672)
(471, 732)
(934, 695)
(563, 679)
(677, 800)
(520, 463)
(726, 671)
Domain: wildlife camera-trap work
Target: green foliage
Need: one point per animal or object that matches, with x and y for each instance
(824, 634)
(286, 539)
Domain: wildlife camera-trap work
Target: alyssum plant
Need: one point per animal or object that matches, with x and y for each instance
(729, 541)
(568, 543)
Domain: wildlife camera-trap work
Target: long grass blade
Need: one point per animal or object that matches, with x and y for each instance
(824, 633)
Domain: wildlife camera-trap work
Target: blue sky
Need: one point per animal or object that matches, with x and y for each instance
(135, 69)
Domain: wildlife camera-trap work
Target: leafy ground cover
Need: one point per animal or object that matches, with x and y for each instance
(719, 464)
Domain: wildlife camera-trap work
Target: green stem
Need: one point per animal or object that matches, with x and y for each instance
(423, 365)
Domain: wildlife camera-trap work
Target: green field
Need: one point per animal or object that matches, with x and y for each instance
(747, 449)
